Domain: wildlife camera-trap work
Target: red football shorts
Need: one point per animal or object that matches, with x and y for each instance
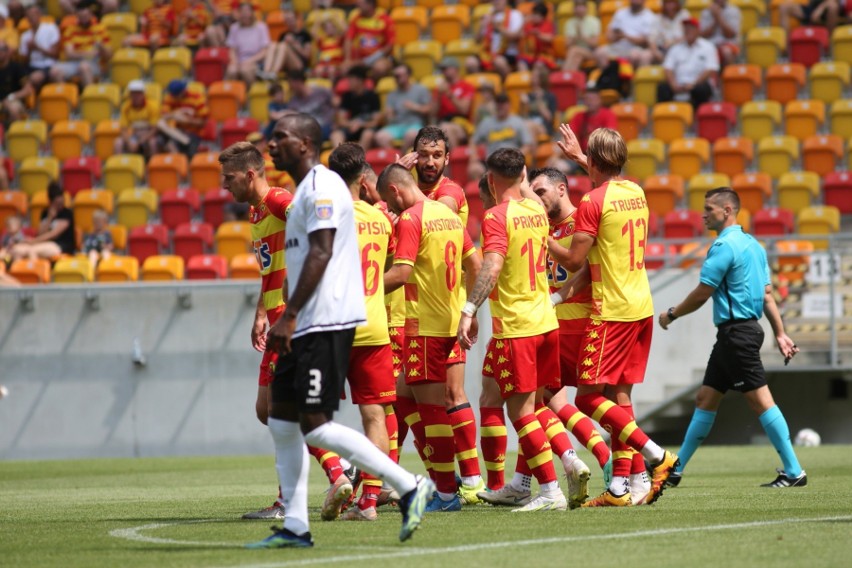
(615, 352)
(457, 355)
(371, 377)
(524, 364)
(267, 368)
(571, 333)
(397, 344)
(426, 358)
(489, 361)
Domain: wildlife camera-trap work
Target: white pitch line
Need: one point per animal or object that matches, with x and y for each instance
(408, 552)
(135, 534)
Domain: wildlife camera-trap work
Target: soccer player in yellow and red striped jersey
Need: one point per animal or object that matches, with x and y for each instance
(432, 247)
(371, 375)
(611, 231)
(85, 44)
(523, 322)
(370, 36)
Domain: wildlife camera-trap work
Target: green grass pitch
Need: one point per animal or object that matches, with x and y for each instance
(185, 512)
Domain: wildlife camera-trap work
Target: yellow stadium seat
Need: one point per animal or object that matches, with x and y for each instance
(449, 22)
(164, 267)
(754, 189)
(744, 219)
(841, 44)
(118, 269)
(226, 98)
(36, 271)
(73, 270)
(784, 81)
(765, 45)
(138, 7)
(645, 84)
(69, 138)
(135, 207)
(739, 83)
(166, 171)
(663, 192)
(803, 118)
(732, 155)
(479, 79)
(170, 63)
(701, 184)
(119, 236)
(233, 238)
(205, 172)
(57, 101)
(128, 64)
(828, 79)
(86, 202)
(99, 102)
(422, 56)
(123, 171)
(752, 12)
(384, 87)
(695, 7)
(515, 85)
(478, 13)
(36, 173)
(258, 101)
(461, 49)
(840, 118)
(644, 157)
(105, 134)
(820, 153)
(797, 190)
(119, 26)
(818, 220)
(687, 156)
(409, 22)
(671, 120)
(631, 119)
(12, 203)
(777, 154)
(606, 10)
(244, 267)
(25, 138)
(759, 119)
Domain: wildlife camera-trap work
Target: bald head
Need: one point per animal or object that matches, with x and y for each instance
(397, 188)
(304, 126)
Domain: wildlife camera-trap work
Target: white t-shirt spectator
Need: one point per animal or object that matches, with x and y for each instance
(247, 41)
(689, 62)
(667, 32)
(516, 23)
(46, 36)
(732, 16)
(633, 25)
(323, 201)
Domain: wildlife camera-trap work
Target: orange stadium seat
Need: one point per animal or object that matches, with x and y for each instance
(162, 268)
(818, 220)
(449, 22)
(837, 191)
(170, 63)
(772, 221)
(754, 189)
(25, 138)
(687, 156)
(671, 120)
(236, 130)
(732, 155)
(213, 206)
(178, 206)
(691, 253)
(683, 224)
(207, 267)
(226, 98)
(205, 172)
(793, 258)
(567, 86)
(57, 101)
(777, 154)
(828, 79)
(700, 184)
(12, 203)
(117, 269)
(808, 44)
(129, 63)
(36, 271)
(803, 119)
(193, 239)
(210, 64)
(80, 173)
(715, 120)
(123, 171)
(797, 190)
(147, 240)
(245, 267)
(233, 238)
(106, 132)
(664, 192)
(409, 22)
(739, 83)
(86, 202)
(69, 138)
(645, 156)
(277, 24)
(119, 237)
(166, 171)
(759, 119)
(36, 173)
(821, 153)
(631, 119)
(73, 270)
(135, 207)
(784, 81)
(765, 45)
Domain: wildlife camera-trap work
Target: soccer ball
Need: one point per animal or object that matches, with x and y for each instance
(808, 438)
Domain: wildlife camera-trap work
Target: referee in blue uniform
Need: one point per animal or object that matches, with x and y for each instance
(736, 275)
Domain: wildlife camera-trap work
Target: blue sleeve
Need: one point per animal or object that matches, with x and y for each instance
(718, 261)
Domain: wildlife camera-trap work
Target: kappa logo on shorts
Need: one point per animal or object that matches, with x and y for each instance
(588, 362)
(489, 355)
(396, 360)
(453, 354)
(413, 358)
(414, 344)
(505, 374)
(413, 373)
(324, 209)
(593, 335)
(487, 369)
(498, 345)
(586, 376)
(591, 349)
(508, 388)
(501, 360)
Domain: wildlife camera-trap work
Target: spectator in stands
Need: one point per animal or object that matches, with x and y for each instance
(193, 21)
(292, 52)
(329, 37)
(487, 105)
(8, 34)
(248, 40)
(369, 39)
(668, 29)
(500, 34)
(503, 130)
(314, 100)
(138, 117)
(7, 279)
(406, 110)
(539, 105)
(472, 65)
(100, 8)
(538, 35)
(816, 13)
(720, 23)
(55, 232)
(98, 244)
(593, 117)
(39, 46)
(628, 34)
(359, 111)
(13, 235)
(157, 26)
(583, 32)
(691, 67)
(85, 45)
(276, 107)
(184, 115)
(455, 100)
(14, 86)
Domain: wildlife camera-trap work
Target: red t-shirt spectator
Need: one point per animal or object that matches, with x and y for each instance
(583, 124)
(461, 90)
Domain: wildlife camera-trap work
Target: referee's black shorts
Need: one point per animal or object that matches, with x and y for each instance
(735, 360)
(314, 372)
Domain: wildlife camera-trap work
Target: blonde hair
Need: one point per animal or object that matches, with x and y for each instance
(607, 151)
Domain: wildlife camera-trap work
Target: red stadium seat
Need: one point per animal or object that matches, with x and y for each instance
(213, 206)
(578, 186)
(808, 44)
(567, 86)
(147, 240)
(192, 239)
(80, 173)
(683, 224)
(715, 120)
(9, 164)
(773, 221)
(837, 191)
(178, 206)
(656, 255)
(459, 159)
(206, 267)
(380, 158)
(653, 224)
(236, 130)
(210, 64)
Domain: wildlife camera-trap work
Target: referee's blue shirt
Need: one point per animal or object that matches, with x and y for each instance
(736, 267)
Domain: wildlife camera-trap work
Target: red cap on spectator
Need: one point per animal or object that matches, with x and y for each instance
(690, 22)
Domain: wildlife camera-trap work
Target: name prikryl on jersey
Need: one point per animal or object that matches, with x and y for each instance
(528, 221)
(631, 204)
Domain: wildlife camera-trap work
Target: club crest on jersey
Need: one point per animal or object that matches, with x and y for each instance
(324, 209)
